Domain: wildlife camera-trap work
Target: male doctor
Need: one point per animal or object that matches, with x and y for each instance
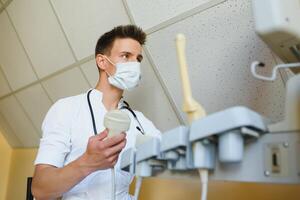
(74, 163)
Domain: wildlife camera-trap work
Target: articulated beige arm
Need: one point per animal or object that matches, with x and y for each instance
(193, 109)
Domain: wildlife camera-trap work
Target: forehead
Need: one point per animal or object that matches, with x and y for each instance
(126, 45)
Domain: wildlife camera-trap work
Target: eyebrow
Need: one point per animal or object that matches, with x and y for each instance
(139, 57)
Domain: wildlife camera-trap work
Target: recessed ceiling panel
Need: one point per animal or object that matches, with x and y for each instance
(41, 35)
(19, 122)
(148, 14)
(4, 88)
(91, 72)
(68, 83)
(13, 59)
(35, 102)
(9, 134)
(95, 17)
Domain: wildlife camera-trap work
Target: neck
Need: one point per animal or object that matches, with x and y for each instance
(111, 94)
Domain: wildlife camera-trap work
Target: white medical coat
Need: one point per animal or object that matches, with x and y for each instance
(66, 130)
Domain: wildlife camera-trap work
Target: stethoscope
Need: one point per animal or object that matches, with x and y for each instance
(125, 106)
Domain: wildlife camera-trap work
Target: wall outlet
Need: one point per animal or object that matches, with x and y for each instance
(276, 159)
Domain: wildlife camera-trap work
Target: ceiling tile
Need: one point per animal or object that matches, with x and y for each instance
(13, 59)
(220, 45)
(151, 13)
(91, 72)
(4, 88)
(35, 102)
(19, 122)
(95, 16)
(9, 134)
(68, 83)
(41, 35)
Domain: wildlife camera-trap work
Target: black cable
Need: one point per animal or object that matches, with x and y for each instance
(140, 128)
(92, 113)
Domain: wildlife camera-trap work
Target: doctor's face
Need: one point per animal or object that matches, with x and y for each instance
(123, 50)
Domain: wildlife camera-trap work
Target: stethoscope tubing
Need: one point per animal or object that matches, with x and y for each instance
(127, 107)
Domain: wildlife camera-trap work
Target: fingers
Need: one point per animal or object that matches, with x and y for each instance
(115, 149)
(112, 141)
(113, 160)
(102, 135)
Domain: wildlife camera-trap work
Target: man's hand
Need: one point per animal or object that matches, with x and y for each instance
(102, 152)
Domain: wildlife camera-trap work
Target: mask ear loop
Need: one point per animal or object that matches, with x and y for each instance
(109, 60)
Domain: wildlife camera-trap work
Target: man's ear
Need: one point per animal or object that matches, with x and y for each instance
(100, 60)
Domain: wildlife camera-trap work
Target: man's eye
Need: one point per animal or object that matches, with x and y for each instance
(125, 56)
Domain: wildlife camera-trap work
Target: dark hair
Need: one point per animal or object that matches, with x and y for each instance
(105, 42)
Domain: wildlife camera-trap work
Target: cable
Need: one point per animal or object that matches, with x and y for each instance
(113, 184)
(126, 106)
(112, 119)
(138, 185)
(91, 111)
(275, 69)
(204, 179)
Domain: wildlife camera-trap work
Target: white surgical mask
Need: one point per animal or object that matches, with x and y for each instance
(127, 75)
